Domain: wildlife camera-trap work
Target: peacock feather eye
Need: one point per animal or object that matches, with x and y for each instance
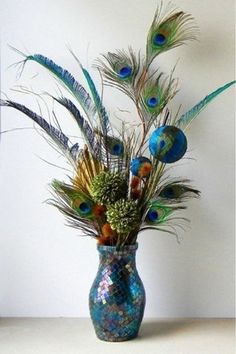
(152, 102)
(117, 149)
(125, 72)
(159, 39)
(83, 208)
(169, 192)
(152, 215)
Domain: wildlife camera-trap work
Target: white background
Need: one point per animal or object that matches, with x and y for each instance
(46, 269)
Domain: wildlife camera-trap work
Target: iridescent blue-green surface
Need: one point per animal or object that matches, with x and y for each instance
(117, 296)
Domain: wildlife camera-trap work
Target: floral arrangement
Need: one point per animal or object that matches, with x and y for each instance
(120, 184)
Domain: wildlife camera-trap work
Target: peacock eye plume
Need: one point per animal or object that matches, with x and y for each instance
(75, 199)
(168, 144)
(157, 213)
(120, 69)
(178, 192)
(124, 72)
(169, 29)
(156, 93)
(84, 208)
(114, 146)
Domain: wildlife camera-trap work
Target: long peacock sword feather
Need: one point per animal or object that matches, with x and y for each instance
(184, 121)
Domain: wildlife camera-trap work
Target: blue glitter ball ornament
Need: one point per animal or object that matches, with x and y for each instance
(168, 144)
(125, 72)
(141, 166)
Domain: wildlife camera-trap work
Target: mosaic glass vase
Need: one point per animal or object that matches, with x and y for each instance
(117, 296)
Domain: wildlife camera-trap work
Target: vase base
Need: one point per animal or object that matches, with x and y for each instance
(107, 338)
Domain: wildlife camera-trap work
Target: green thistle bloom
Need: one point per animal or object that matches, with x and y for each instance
(123, 216)
(108, 187)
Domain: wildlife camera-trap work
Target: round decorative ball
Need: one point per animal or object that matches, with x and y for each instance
(168, 144)
(141, 166)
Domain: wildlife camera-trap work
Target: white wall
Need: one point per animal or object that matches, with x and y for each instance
(45, 268)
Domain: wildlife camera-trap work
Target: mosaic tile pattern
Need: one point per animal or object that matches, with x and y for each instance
(117, 296)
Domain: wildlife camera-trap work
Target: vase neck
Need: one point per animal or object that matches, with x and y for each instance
(110, 253)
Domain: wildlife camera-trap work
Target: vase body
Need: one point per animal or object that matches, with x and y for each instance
(117, 296)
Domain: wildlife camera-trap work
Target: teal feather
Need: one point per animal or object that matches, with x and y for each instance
(188, 117)
(68, 80)
(102, 114)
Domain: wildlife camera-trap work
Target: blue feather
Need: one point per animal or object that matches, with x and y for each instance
(187, 118)
(58, 136)
(83, 124)
(68, 79)
(104, 120)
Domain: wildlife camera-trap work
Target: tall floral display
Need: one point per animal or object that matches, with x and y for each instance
(120, 183)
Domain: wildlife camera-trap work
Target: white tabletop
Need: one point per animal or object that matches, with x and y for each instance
(76, 336)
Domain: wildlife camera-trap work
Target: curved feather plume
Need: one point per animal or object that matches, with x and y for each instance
(168, 30)
(100, 109)
(184, 121)
(66, 78)
(55, 134)
(83, 124)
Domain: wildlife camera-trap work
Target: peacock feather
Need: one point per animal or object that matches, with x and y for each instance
(187, 118)
(156, 93)
(77, 200)
(158, 213)
(85, 127)
(65, 78)
(55, 134)
(168, 30)
(177, 192)
(120, 69)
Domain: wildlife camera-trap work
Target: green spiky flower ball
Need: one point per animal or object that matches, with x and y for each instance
(123, 216)
(108, 187)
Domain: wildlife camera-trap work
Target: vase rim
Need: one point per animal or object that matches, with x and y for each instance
(115, 249)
